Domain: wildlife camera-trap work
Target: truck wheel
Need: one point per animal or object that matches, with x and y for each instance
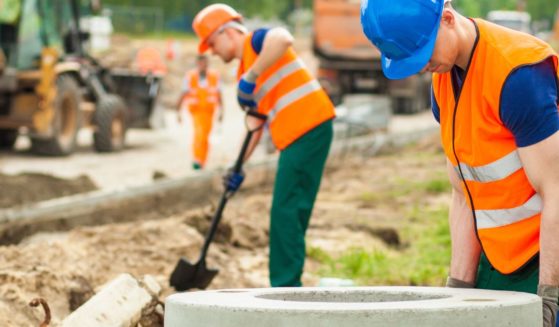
(409, 106)
(66, 121)
(333, 89)
(8, 138)
(419, 103)
(110, 124)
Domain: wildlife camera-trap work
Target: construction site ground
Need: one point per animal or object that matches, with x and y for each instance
(379, 219)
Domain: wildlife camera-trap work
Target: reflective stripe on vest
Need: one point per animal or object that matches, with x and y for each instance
(492, 172)
(483, 151)
(289, 95)
(293, 96)
(503, 217)
(275, 79)
(203, 95)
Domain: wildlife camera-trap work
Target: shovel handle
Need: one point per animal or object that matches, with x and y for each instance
(239, 162)
(224, 197)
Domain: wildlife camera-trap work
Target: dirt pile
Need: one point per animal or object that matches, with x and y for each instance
(18, 190)
(66, 268)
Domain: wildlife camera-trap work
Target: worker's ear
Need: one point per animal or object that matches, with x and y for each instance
(448, 18)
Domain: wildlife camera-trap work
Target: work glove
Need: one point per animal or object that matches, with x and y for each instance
(457, 283)
(550, 296)
(245, 90)
(232, 180)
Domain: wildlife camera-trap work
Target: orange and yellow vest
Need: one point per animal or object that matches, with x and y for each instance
(206, 97)
(483, 151)
(289, 95)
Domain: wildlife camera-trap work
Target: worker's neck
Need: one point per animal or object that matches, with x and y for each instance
(467, 36)
(240, 42)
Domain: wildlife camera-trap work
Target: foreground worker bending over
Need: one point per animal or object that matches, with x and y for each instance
(202, 95)
(274, 82)
(495, 97)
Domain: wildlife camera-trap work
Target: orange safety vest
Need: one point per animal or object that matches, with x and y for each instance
(202, 96)
(483, 151)
(291, 97)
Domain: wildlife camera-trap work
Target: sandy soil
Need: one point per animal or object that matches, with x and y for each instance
(67, 268)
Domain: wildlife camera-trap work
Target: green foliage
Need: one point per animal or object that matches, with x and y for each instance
(250, 8)
(539, 9)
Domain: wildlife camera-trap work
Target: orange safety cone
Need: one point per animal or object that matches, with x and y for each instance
(170, 50)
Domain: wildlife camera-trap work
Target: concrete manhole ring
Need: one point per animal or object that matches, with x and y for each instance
(355, 306)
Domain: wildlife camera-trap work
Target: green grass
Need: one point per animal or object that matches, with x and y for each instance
(424, 261)
(435, 186)
(439, 184)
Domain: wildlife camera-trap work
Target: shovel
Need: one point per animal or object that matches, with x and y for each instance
(187, 275)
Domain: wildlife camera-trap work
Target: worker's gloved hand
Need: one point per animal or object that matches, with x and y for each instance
(232, 180)
(457, 283)
(550, 296)
(245, 90)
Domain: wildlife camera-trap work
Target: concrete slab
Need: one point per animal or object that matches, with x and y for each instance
(352, 307)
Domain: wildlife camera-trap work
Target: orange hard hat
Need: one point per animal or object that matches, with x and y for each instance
(209, 19)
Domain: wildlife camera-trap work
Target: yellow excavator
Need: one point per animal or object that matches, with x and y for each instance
(49, 86)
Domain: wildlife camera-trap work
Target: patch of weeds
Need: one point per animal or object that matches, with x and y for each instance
(318, 254)
(436, 186)
(424, 262)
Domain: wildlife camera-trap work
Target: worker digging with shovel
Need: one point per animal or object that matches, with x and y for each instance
(278, 91)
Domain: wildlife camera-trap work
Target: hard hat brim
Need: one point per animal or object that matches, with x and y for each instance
(402, 68)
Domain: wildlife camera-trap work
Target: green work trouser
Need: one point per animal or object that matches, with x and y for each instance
(297, 182)
(524, 280)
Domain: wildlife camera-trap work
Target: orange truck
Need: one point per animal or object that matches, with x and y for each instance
(555, 33)
(349, 63)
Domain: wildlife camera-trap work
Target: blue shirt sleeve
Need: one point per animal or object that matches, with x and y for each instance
(529, 103)
(258, 39)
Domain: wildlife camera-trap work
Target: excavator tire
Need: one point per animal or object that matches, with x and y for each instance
(8, 138)
(110, 121)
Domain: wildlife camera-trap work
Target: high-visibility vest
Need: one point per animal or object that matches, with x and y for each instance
(202, 96)
(483, 151)
(291, 97)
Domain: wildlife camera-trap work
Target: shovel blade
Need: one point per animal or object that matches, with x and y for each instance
(188, 276)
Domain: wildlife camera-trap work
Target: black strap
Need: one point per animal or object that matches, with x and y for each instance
(256, 114)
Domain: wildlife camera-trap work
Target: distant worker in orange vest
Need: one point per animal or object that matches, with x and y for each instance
(495, 95)
(201, 94)
(274, 81)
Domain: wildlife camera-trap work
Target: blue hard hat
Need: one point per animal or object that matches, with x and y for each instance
(405, 32)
